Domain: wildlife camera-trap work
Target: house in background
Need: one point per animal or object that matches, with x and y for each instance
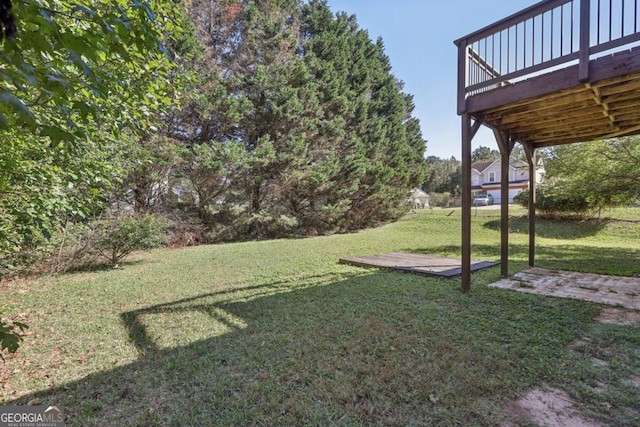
(485, 179)
(419, 199)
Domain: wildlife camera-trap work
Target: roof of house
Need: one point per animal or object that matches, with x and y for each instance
(480, 167)
(416, 192)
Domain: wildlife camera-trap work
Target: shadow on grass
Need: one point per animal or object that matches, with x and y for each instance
(140, 337)
(554, 228)
(378, 349)
(588, 259)
(100, 265)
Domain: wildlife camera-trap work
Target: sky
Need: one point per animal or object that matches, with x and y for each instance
(418, 36)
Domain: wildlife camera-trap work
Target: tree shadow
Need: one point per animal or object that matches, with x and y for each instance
(375, 349)
(554, 228)
(100, 265)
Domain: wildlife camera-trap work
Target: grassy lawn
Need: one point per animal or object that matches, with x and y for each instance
(279, 333)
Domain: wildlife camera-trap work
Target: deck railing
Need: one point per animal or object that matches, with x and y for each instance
(544, 36)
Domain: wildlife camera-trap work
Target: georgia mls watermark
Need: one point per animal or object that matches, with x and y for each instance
(31, 416)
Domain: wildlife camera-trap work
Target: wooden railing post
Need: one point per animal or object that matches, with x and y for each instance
(585, 40)
(463, 73)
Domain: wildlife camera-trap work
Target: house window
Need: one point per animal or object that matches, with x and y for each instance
(492, 177)
(474, 179)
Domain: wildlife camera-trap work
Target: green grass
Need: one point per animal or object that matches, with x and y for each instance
(279, 333)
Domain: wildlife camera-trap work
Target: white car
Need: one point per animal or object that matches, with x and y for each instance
(483, 200)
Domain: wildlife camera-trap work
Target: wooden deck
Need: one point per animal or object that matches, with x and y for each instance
(558, 72)
(564, 110)
(428, 265)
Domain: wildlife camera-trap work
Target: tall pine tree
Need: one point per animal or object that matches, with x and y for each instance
(328, 136)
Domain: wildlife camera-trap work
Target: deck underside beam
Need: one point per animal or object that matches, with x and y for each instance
(556, 108)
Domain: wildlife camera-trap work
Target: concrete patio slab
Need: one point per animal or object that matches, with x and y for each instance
(611, 290)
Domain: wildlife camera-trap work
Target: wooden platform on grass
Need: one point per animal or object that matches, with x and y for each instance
(429, 265)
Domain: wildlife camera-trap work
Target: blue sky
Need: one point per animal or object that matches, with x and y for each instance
(418, 36)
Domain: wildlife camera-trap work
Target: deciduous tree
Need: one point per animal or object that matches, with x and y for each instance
(445, 175)
(75, 78)
(484, 154)
(604, 173)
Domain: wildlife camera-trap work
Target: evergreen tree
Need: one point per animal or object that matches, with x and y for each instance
(367, 118)
(328, 139)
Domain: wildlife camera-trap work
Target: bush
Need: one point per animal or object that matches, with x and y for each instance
(269, 225)
(522, 198)
(440, 199)
(118, 237)
(185, 229)
(20, 247)
(551, 200)
(110, 239)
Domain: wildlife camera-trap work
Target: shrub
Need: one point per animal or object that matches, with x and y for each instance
(118, 237)
(440, 199)
(112, 239)
(20, 247)
(267, 224)
(185, 229)
(551, 200)
(522, 198)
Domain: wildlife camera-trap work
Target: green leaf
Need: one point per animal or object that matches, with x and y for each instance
(107, 27)
(84, 109)
(18, 106)
(81, 64)
(9, 342)
(27, 74)
(56, 134)
(79, 45)
(149, 12)
(57, 83)
(79, 8)
(47, 17)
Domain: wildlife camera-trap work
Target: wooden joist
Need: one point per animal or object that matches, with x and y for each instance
(585, 112)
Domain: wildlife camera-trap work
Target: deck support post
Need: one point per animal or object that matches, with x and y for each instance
(506, 146)
(530, 151)
(467, 136)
